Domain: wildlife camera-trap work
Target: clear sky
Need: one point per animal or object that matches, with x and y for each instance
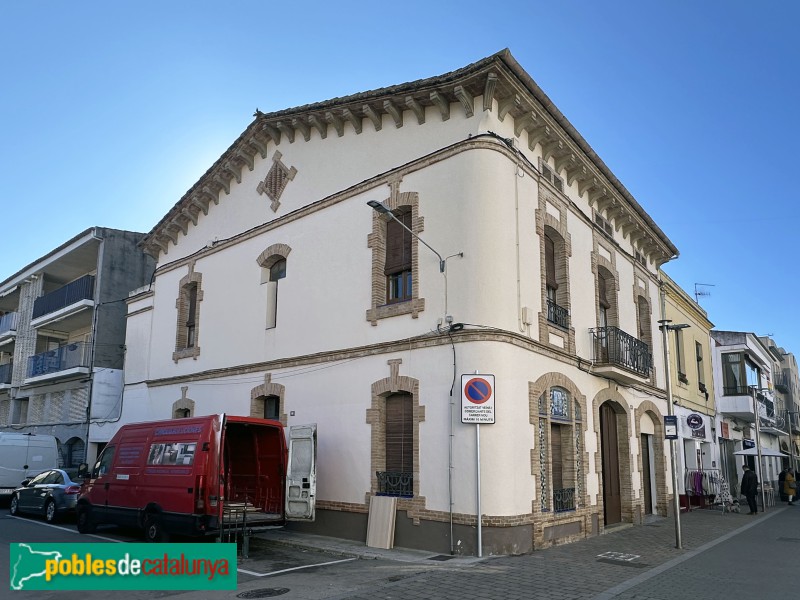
(110, 111)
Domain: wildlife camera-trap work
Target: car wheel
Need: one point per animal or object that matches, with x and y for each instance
(154, 529)
(13, 508)
(85, 524)
(50, 514)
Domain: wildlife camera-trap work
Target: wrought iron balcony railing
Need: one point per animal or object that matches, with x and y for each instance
(557, 315)
(5, 373)
(80, 289)
(735, 390)
(8, 322)
(60, 359)
(781, 380)
(395, 483)
(564, 500)
(613, 346)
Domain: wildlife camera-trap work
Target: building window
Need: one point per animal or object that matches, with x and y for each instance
(701, 375)
(680, 360)
(272, 408)
(273, 268)
(645, 331)
(188, 305)
(555, 272)
(398, 479)
(398, 258)
(395, 270)
(734, 375)
(559, 435)
(20, 416)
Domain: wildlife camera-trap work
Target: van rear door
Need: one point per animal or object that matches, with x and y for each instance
(301, 479)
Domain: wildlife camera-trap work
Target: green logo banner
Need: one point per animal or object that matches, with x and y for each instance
(101, 566)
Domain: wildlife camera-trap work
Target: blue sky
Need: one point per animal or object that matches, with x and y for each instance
(110, 111)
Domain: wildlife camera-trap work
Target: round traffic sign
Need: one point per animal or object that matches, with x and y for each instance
(478, 390)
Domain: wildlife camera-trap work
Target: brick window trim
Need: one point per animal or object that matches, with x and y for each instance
(181, 305)
(376, 241)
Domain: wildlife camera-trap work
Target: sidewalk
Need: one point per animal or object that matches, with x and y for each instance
(598, 567)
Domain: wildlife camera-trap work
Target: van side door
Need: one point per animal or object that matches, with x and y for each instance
(301, 478)
(96, 490)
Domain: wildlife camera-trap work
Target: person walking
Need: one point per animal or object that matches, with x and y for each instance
(790, 485)
(781, 486)
(750, 488)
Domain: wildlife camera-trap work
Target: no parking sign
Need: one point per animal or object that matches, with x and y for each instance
(477, 399)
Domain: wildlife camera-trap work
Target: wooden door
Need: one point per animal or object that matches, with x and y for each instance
(612, 500)
(647, 475)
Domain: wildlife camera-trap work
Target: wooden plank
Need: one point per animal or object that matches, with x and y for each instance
(380, 526)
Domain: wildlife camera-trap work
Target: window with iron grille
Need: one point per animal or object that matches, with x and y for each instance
(398, 480)
(560, 454)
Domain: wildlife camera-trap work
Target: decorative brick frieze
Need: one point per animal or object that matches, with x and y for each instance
(184, 407)
(276, 180)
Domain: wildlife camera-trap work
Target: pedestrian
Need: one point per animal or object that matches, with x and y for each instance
(790, 486)
(750, 488)
(781, 477)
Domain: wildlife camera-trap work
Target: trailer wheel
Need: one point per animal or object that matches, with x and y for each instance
(85, 524)
(154, 529)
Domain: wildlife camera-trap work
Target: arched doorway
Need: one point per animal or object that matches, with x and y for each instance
(609, 444)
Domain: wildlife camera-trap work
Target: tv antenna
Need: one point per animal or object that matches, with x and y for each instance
(698, 291)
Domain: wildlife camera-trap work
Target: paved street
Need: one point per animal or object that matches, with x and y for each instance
(723, 555)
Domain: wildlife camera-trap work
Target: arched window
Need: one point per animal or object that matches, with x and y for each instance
(273, 262)
(398, 257)
(187, 331)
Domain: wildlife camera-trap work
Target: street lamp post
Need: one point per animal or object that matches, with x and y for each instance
(384, 210)
(758, 448)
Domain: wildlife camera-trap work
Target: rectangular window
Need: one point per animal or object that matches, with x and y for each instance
(191, 318)
(734, 376)
(550, 262)
(679, 356)
(398, 259)
(701, 375)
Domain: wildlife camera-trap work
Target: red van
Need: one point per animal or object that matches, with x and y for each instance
(201, 476)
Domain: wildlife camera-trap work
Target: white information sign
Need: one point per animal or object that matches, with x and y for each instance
(477, 399)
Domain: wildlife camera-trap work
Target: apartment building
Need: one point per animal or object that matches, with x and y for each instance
(62, 337)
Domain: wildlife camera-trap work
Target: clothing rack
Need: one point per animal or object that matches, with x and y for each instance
(702, 484)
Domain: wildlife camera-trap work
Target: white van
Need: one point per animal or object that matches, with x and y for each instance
(22, 456)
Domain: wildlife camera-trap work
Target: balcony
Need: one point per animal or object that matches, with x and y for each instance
(557, 315)
(620, 356)
(740, 405)
(393, 483)
(781, 381)
(65, 361)
(8, 327)
(69, 305)
(5, 374)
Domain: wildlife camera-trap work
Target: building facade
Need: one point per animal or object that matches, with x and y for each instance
(280, 292)
(743, 388)
(692, 396)
(62, 337)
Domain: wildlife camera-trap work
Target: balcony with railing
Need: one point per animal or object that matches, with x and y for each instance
(395, 483)
(620, 356)
(70, 304)
(737, 402)
(557, 315)
(64, 361)
(782, 383)
(5, 374)
(8, 326)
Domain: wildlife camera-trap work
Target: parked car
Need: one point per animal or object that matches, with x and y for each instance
(52, 494)
(23, 456)
(201, 476)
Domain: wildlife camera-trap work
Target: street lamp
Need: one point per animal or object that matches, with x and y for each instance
(384, 210)
(665, 327)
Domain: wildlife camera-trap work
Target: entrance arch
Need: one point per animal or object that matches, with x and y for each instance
(613, 465)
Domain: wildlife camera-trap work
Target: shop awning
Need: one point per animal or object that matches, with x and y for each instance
(764, 452)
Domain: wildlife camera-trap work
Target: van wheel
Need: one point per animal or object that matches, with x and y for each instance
(85, 524)
(13, 508)
(154, 530)
(50, 514)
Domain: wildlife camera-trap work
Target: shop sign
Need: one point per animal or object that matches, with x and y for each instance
(670, 427)
(695, 421)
